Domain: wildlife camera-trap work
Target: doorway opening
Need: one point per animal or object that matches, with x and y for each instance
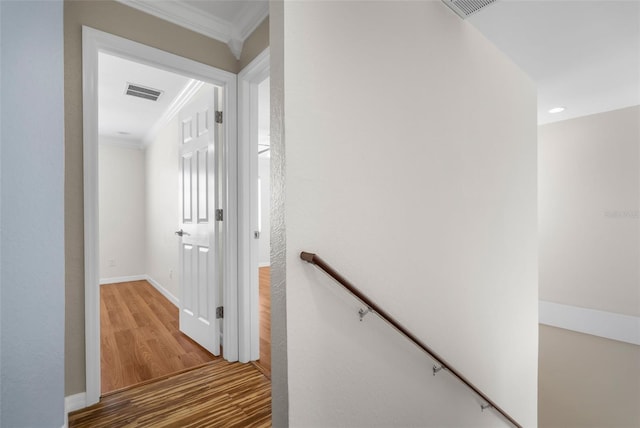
(254, 320)
(263, 234)
(143, 335)
(202, 182)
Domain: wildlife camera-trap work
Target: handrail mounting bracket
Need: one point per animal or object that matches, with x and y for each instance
(373, 307)
(363, 312)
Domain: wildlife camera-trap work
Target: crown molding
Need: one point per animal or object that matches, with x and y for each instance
(248, 20)
(232, 33)
(185, 16)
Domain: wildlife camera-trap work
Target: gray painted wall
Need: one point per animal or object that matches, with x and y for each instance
(32, 223)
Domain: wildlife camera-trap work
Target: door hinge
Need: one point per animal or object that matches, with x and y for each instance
(218, 117)
(219, 215)
(219, 312)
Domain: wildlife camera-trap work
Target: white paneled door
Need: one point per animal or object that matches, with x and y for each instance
(198, 232)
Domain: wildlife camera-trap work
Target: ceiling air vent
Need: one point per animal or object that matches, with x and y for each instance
(140, 91)
(465, 8)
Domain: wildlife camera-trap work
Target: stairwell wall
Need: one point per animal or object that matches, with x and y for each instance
(410, 166)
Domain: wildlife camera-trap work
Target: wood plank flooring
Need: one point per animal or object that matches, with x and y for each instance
(139, 336)
(264, 364)
(219, 394)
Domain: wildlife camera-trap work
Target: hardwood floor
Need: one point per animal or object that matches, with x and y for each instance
(191, 388)
(139, 337)
(219, 394)
(264, 364)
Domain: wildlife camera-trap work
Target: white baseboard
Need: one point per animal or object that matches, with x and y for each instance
(118, 279)
(624, 328)
(266, 264)
(73, 403)
(166, 293)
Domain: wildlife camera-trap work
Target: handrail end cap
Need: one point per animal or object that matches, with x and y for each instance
(307, 257)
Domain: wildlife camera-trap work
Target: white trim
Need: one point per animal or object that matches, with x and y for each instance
(264, 264)
(190, 89)
(248, 313)
(233, 33)
(166, 293)
(73, 403)
(90, 49)
(230, 223)
(119, 279)
(93, 42)
(624, 328)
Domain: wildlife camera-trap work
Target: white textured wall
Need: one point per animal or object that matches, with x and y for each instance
(264, 250)
(411, 168)
(32, 227)
(122, 210)
(162, 208)
(590, 211)
(279, 347)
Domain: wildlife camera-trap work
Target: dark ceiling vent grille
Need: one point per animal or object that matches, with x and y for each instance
(465, 8)
(139, 91)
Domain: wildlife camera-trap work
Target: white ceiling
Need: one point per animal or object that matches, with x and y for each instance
(131, 118)
(582, 54)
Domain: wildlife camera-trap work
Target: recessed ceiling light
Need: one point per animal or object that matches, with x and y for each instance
(557, 110)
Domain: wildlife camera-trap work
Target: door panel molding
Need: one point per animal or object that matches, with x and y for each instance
(93, 42)
(200, 243)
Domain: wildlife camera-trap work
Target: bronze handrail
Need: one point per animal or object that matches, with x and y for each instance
(316, 260)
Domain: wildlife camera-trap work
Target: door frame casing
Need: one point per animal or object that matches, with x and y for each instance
(248, 288)
(94, 42)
